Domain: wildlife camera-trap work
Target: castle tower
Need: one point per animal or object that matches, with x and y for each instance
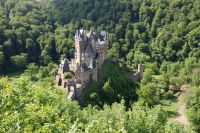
(90, 53)
(79, 45)
(102, 46)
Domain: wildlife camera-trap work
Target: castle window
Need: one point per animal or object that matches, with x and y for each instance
(97, 55)
(82, 56)
(75, 55)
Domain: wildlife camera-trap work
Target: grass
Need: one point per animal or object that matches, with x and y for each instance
(170, 106)
(157, 77)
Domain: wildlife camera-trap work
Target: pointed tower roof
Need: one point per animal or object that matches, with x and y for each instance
(64, 65)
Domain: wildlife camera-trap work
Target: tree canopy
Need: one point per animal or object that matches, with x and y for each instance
(139, 31)
(36, 34)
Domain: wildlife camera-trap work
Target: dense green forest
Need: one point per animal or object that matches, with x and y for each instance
(140, 31)
(162, 34)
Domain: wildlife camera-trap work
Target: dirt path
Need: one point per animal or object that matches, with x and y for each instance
(181, 111)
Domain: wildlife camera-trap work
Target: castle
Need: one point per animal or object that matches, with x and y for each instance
(90, 53)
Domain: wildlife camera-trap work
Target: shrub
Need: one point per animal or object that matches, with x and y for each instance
(169, 94)
(193, 104)
(68, 75)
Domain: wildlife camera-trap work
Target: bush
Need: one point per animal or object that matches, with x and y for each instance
(193, 104)
(169, 94)
(149, 93)
(177, 94)
(68, 75)
(94, 96)
(174, 127)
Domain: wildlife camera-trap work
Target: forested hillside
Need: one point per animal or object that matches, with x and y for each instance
(164, 35)
(140, 31)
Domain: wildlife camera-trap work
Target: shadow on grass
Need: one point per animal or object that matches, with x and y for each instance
(170, 107)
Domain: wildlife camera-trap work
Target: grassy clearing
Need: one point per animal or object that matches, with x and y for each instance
(176, 108)
(170, 106)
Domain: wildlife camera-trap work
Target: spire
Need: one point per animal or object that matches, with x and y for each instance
(64, 65)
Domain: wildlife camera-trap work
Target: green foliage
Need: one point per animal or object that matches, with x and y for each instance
(31, 72)
(174, 127)
(169, 94)
(68, 75)
(149, 94)
(107, 88)
(1, 58)
(113, 85)
(114, 51)
(164, 32)
(153, 87)
(39, 108)
(35, 73)
(94, 96)
(19, 61)
(193, 104)
(29, 107)
(141, 116)
(182, 72)
(137, 119)
(147, 76)
(142, 31)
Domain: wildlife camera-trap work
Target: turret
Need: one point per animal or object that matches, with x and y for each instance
(140, 69)
(102, 46)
